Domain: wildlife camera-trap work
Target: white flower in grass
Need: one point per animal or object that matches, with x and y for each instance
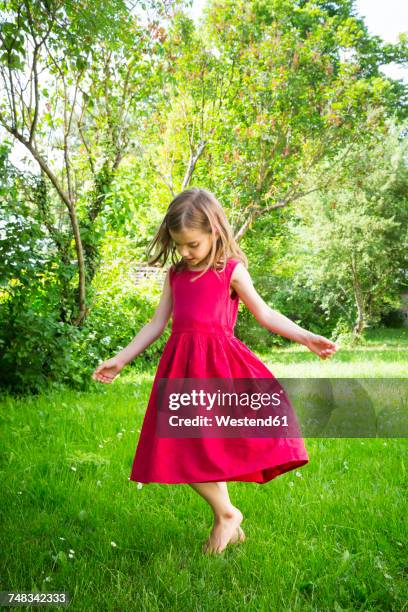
(384, 444)
(73, 468)
(62, 538)
(139, 485)
(345, 465)
(98, 483)
(100, 445)
(298, 474)
(72, 551)
(113, 544)
(120, 434)
(47, 579)
(19, 492)
(132, 431)
(291, 483)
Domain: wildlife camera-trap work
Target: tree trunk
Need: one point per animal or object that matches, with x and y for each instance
(82, 309)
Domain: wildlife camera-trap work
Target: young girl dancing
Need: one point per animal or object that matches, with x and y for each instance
(201, 293)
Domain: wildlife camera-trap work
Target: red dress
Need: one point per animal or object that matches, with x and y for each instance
(202, 345)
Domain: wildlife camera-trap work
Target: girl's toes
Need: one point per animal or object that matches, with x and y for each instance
(235, 536)
(238, 536)
(242, 536)
(206, 548)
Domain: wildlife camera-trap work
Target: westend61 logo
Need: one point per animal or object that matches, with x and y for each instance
(288, 408)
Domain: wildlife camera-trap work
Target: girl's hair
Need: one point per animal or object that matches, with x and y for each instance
(196, 209)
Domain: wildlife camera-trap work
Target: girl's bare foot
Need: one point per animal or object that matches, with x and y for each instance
(224, 529)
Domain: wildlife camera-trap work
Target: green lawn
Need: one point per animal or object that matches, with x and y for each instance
(330, 536)
(385, 355)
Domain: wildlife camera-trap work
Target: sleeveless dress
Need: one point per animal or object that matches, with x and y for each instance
(202, 344)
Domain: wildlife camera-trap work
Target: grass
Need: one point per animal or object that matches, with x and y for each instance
(330, 536)
(384, 355)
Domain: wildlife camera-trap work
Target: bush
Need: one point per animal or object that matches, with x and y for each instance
(394, 318)
(36, 350)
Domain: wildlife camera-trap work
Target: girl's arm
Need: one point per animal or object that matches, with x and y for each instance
(109, 369)
(152, 330)
(273, 320)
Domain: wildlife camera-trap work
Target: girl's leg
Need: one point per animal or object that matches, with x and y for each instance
(227, 518)
(216, 494)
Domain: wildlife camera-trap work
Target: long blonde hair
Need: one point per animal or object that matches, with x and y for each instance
(196, 209)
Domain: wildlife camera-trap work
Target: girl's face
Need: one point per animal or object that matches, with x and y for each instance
(193, 245)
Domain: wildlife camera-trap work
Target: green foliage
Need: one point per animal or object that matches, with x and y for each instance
(393, 319)
(259, 104)
(39, 351)
(354, 236)
(35, 343)
(274, 268)
(36, 351)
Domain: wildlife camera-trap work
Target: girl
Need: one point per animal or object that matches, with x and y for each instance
(201, 292)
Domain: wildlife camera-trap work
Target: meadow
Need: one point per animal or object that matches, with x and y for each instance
(329, 536)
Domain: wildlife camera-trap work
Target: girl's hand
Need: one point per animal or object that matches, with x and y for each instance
(320, 345)
(107, 371)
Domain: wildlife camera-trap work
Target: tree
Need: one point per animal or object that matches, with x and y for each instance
(76, 79)
(352, 241)
(262, 92)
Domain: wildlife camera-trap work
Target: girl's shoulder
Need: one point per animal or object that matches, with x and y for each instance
(230, 266)
(233, 262)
